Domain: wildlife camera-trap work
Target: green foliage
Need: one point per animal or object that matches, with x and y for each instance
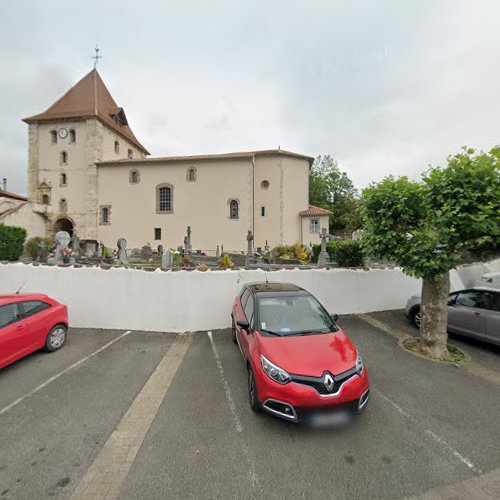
(346, 253)
(226, 262)
(331, 189)
(286, 252)
(11, 242)
(106, 253)
(32, 246)
(425, 227)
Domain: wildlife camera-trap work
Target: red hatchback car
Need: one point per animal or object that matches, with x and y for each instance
(29, 322)
(301, 365)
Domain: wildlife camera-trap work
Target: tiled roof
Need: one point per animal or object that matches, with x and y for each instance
(312, 210)
(220, 156)
(89, 98)
(6, 194)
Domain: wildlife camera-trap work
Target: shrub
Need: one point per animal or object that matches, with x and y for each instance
(11, 242)
(346, 253)
(226, 262)
(285, 252)
(32, 246)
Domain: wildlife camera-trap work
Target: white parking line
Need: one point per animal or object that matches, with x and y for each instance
(232, 407)
(466, 461)
(66, 370)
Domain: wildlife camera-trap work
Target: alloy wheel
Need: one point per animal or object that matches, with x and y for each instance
(57, 338)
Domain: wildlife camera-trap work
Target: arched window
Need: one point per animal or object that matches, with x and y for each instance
(63, 180)
(164, 199)
(72, 135)
(117, 147)
(45, 199)
(233, 209)
(105, 214)
(134, 177)
(191, 174)
(62, 205)
(130, 154)
(64, 158)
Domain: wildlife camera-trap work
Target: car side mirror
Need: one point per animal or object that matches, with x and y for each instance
(335, 317)
(243, 323)
(451, 302)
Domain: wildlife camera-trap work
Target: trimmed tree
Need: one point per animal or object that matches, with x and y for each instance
(425, 228)
(11, 242)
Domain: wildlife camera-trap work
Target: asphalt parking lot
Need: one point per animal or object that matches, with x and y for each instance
(66, 415)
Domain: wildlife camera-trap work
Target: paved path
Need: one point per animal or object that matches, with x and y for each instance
(157, 415)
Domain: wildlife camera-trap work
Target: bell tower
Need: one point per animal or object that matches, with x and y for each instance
(65, 143)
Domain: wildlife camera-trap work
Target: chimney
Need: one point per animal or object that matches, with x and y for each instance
(4, 184)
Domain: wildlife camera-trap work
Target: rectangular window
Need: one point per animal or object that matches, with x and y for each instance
(263, 211)
(314, 226)
(157, 233)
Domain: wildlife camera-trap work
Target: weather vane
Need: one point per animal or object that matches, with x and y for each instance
(97, 56)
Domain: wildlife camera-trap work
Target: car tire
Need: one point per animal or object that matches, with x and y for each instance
(415, 317)
(253, 398)
(233, 331)
(56, 338)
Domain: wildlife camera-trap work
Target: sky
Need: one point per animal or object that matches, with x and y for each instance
(385, 87)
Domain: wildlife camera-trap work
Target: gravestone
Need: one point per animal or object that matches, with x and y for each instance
(146, 251)
(75, 245)
(217, 252)
(42, 252)
(167, 259)
(323, 257)
(249, 257)
(187, 242)
(122, 251)
(100, 250)
(309, 252)
(62, 239)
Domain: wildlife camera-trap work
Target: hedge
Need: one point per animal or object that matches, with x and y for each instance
(11, 242)
(346, 253)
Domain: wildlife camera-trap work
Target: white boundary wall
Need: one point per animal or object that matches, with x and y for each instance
(193, 300)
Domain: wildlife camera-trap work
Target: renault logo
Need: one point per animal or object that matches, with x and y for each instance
(328, 382)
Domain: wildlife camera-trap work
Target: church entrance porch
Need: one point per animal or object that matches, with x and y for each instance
(63, 224)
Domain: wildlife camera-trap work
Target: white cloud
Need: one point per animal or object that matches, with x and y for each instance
(386, 86)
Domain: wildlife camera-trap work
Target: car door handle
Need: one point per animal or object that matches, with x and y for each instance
(477, 314)
(19, 327)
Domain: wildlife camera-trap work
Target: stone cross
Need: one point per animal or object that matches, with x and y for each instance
(122, 251)
(323, 257)
(62, 239)
(187, 242)
(167, 259)
(217, 252)
(249, 257)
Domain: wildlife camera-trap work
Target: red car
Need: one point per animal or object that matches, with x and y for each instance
(301, 365)
(29, 322)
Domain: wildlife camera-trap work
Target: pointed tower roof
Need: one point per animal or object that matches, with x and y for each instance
(90, 98)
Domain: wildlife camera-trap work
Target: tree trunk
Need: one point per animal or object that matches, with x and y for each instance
(434, 316)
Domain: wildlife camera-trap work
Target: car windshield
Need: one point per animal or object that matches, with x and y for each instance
(293, 315)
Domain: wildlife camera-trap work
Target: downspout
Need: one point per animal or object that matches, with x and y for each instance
(253, 198)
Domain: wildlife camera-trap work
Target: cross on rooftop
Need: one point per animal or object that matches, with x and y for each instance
(97, 56)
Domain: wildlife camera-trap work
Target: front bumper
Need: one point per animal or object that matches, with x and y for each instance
(295, 401)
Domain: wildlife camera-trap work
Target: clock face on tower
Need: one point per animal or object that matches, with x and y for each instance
(63, 133)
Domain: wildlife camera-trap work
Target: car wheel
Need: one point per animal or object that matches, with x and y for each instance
(233, 331)
(252, 392)
(56, 338)
(416, 318)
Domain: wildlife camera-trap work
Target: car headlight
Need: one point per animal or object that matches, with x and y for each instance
(274, 372)
(359, 364)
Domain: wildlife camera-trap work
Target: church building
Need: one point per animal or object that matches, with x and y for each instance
(88, 174)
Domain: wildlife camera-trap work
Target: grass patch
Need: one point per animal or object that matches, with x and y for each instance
(455, 355)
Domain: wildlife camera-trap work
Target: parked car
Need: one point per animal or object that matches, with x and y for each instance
(474, 312)
(29, 322)
(300, 365)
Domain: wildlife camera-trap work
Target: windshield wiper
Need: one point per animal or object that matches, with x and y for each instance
(270, 331)
(309, 332)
